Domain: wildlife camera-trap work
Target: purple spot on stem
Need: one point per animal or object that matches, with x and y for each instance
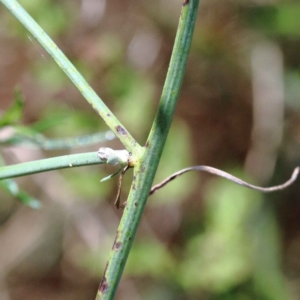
(117, 245)
(103, 285)
(121, 130)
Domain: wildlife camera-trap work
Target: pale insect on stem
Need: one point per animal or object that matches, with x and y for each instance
(115, 157)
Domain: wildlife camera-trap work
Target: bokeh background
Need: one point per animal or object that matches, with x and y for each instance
(201, 237)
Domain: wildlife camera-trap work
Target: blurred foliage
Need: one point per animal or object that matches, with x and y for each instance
(11, 117)
(280, 19)
(201, 237)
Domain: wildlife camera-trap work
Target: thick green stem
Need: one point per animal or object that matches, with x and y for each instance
(88, 93)
(147, 164)
(49, 164)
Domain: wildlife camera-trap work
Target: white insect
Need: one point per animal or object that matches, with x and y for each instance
(114, 157)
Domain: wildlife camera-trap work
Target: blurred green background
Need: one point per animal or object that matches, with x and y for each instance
(201, 237)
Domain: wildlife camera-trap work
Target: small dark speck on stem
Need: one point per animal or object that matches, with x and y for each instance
(147, 144)
(135, 203)
(186, 2)
(108, 115)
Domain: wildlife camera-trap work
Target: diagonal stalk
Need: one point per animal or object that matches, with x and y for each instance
(68, 68)
(146, 165)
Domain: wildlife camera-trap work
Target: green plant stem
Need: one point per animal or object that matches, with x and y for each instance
(68, 68)
(146, 167)
(49, 164)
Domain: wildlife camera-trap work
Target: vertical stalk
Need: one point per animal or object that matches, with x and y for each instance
(149, 156)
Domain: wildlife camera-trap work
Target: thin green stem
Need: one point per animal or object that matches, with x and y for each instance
(68, 68)
(49, 164)
(147, 164)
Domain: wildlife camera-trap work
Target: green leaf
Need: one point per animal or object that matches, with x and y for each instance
(28, 200)
(14, 113)
(10, 186)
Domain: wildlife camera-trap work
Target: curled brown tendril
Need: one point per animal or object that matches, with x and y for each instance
(228, 176)
(213, 171)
